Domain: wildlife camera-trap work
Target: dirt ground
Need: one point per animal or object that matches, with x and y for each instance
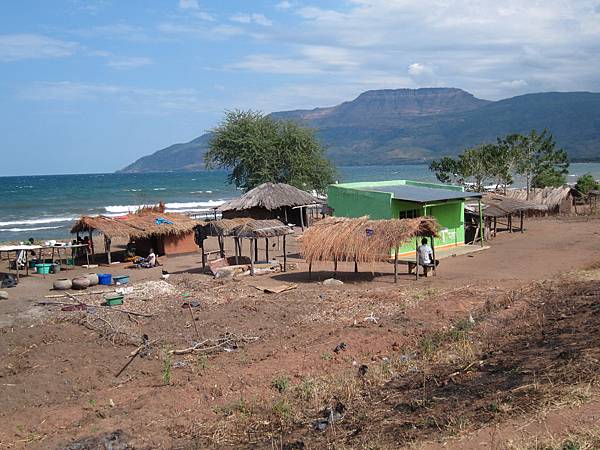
(499, 350)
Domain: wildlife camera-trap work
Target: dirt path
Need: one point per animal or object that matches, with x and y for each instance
(57, 376)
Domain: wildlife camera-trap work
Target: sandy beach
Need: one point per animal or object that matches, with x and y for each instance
(283, 362)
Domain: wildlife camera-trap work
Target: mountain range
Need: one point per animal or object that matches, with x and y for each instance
(395, 126)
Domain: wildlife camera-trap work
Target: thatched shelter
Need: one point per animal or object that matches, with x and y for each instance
(271, 201)
(166, 233)
(243, 228)
(499, 210)
(558, 200)
(362, 240)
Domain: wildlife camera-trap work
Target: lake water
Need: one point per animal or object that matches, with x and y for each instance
(45, 207)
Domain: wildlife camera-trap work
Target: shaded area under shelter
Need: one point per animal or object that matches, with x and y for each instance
(243, 228)
(364, 240)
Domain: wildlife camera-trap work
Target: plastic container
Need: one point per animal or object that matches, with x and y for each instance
(43, 269)
(105, 279)
(121, 279)
(113, 299)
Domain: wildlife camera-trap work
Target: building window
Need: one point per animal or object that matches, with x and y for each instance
(410, 214)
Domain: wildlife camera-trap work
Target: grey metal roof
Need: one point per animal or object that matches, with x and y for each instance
(421, 194)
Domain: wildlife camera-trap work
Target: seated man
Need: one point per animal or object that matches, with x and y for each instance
(425, 255)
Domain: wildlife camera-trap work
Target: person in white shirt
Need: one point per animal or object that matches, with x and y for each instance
(425, 255)
(151, 259)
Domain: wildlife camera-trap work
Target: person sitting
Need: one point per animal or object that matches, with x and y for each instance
(425, 256)
(150, 261)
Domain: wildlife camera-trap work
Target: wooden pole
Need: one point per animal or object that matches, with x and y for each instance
(334, 267)
(417, 259)
(395, 264)
(510, 223)
(481, 224)
(355, 265)
(521, 221)
(284, 256)
(433, 254)
(267, 249)
(203, 255)
(251, 259)
(91, 239)
(495, 226)
(107, 249)
(221, 246)
(255, 249)
(310, 270)
(235, 244)
(302, 217)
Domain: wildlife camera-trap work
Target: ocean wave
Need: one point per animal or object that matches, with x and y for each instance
(16, 230)
(178, 206)
(159, 189)
(37, 221)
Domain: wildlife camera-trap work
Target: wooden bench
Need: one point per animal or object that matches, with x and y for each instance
(412, 264)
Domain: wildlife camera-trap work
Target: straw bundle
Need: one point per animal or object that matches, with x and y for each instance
(553, 198)
(361, 239)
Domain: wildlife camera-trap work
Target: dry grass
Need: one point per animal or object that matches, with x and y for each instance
(361, 239)
(580, 439)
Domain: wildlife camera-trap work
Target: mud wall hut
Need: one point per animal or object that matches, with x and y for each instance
(166, 233)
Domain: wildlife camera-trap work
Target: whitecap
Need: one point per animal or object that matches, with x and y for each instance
(15, 230)
(37, 221)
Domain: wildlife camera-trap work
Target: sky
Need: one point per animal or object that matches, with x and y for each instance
(90, 86)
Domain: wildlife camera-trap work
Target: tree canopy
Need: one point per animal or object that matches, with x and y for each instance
(260, 149)
(587, 183)
(534, 157)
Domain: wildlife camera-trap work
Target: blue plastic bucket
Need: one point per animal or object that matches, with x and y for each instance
(105, 279)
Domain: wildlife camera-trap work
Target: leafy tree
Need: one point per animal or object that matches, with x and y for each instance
(448, 170)
(586, 183)
(539, 161)
(259, 149)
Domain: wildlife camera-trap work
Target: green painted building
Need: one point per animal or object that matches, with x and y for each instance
(400, 199)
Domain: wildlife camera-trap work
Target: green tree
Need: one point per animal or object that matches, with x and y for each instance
(448, 170)
(586, 183)
(259, 149)
(539, 161)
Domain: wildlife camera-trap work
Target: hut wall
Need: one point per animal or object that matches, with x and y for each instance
(143, 246)
(179, 243)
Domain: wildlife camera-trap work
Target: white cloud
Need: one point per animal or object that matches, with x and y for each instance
(14, 47)
(256, 18)
(285, 4)
(129, 62)
(131, 100)
(204, 31)
(418, 69)
(188, 4)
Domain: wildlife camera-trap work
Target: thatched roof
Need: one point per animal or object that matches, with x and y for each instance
(263, 228)
(137, 225)
(270, 196)
(345, 239)
(551, 197)
(495, 205)
(245, 227)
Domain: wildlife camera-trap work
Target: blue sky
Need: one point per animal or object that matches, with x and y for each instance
(90, 86)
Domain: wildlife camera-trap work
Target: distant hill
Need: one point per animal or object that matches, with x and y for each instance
(395, 126)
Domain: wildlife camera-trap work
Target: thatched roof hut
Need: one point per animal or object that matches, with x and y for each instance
(494, 205)
(558, 200)
(361, 239)
(136, 226)
(271, 201)
(166, 233)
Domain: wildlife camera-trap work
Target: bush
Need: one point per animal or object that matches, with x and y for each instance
(587, 183)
